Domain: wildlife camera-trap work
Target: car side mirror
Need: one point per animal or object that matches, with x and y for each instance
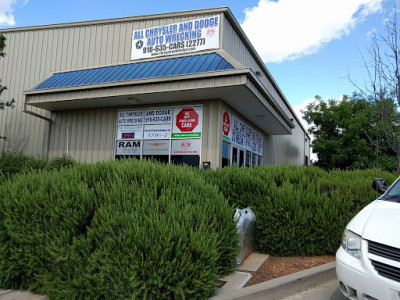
(379, 185)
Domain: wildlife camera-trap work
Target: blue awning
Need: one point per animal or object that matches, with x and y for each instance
(140, 70)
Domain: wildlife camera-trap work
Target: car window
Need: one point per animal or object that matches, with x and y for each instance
(394, 191)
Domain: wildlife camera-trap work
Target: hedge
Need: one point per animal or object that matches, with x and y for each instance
(299, 210)
(128, 229)
(12, 163)
(139, 229)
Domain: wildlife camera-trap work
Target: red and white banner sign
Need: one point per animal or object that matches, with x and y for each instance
(187, 122)
(226, 126)
(186, 147)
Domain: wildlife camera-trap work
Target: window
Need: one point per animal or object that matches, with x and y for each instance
(226, 147)
(246, 142)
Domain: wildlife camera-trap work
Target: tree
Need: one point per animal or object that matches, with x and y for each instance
(382, 87)
(347, 134)
(3, 103)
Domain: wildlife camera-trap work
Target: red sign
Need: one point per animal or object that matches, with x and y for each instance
(226, 127)
(187, 119)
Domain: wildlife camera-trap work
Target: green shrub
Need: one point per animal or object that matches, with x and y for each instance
(64, 161)
(38, 212)
(139, 229)
(12, 163)
(16, 162)
(127, 229)
(299, 210)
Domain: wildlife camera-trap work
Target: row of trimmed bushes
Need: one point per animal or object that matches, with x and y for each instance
(12, 163)
(299, 210)
(115, 230)
(138, 229)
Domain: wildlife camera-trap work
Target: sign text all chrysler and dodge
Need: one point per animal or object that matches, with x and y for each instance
(190, 36)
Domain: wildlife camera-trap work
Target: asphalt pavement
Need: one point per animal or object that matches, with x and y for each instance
(328, 290)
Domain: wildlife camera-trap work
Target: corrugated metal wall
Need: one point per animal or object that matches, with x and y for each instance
(23, 55)
(279, 149)
(33, 53)
(212, 126)
(233, 44)
(286, 149)
(91, 133)
(86, 135)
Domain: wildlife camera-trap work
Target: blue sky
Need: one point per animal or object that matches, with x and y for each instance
(309, 46)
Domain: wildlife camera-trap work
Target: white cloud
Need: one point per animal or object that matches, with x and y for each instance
(297, 109)
(6, 12)
(371, 33)
(289, 29)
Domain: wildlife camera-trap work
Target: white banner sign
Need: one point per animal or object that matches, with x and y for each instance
(184, 37)
(158, 116)
(156, 147)
(186, 147)
(160, 131)
(129, 132)
(130, 117)
(128, 148)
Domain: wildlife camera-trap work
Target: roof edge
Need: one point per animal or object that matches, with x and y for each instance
(261, 63)
(215, 10)
(233, 72)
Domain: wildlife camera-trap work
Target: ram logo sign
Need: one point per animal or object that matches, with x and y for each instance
(128, 148)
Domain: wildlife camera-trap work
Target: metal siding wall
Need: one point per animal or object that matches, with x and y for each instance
(212, 125)
(33, 54)
(25, 133)
(91, 136)
(232, 43)
(293, 145)
(286, 149)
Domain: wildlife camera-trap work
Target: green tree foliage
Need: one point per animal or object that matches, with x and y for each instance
(4, 103)
(349, 134)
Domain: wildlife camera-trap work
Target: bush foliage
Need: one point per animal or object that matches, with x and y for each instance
(299, 210)
(12, 163)
(139, 229)
(127, 229)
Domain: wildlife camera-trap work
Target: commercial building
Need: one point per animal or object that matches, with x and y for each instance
(184, 87)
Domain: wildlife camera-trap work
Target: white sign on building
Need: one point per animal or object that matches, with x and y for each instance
(129, 132)
(186, 147)
(128, 148)
(156, 147)
(184, 37)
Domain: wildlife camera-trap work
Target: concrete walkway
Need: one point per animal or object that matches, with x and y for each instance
(19, 295)
(284, 286)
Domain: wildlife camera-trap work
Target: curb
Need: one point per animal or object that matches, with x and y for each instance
(284, 286)
(273, 289)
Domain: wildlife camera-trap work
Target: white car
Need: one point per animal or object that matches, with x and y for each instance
(368, 261)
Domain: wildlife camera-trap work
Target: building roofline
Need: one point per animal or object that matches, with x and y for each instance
(215, 10)
(260, 62)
